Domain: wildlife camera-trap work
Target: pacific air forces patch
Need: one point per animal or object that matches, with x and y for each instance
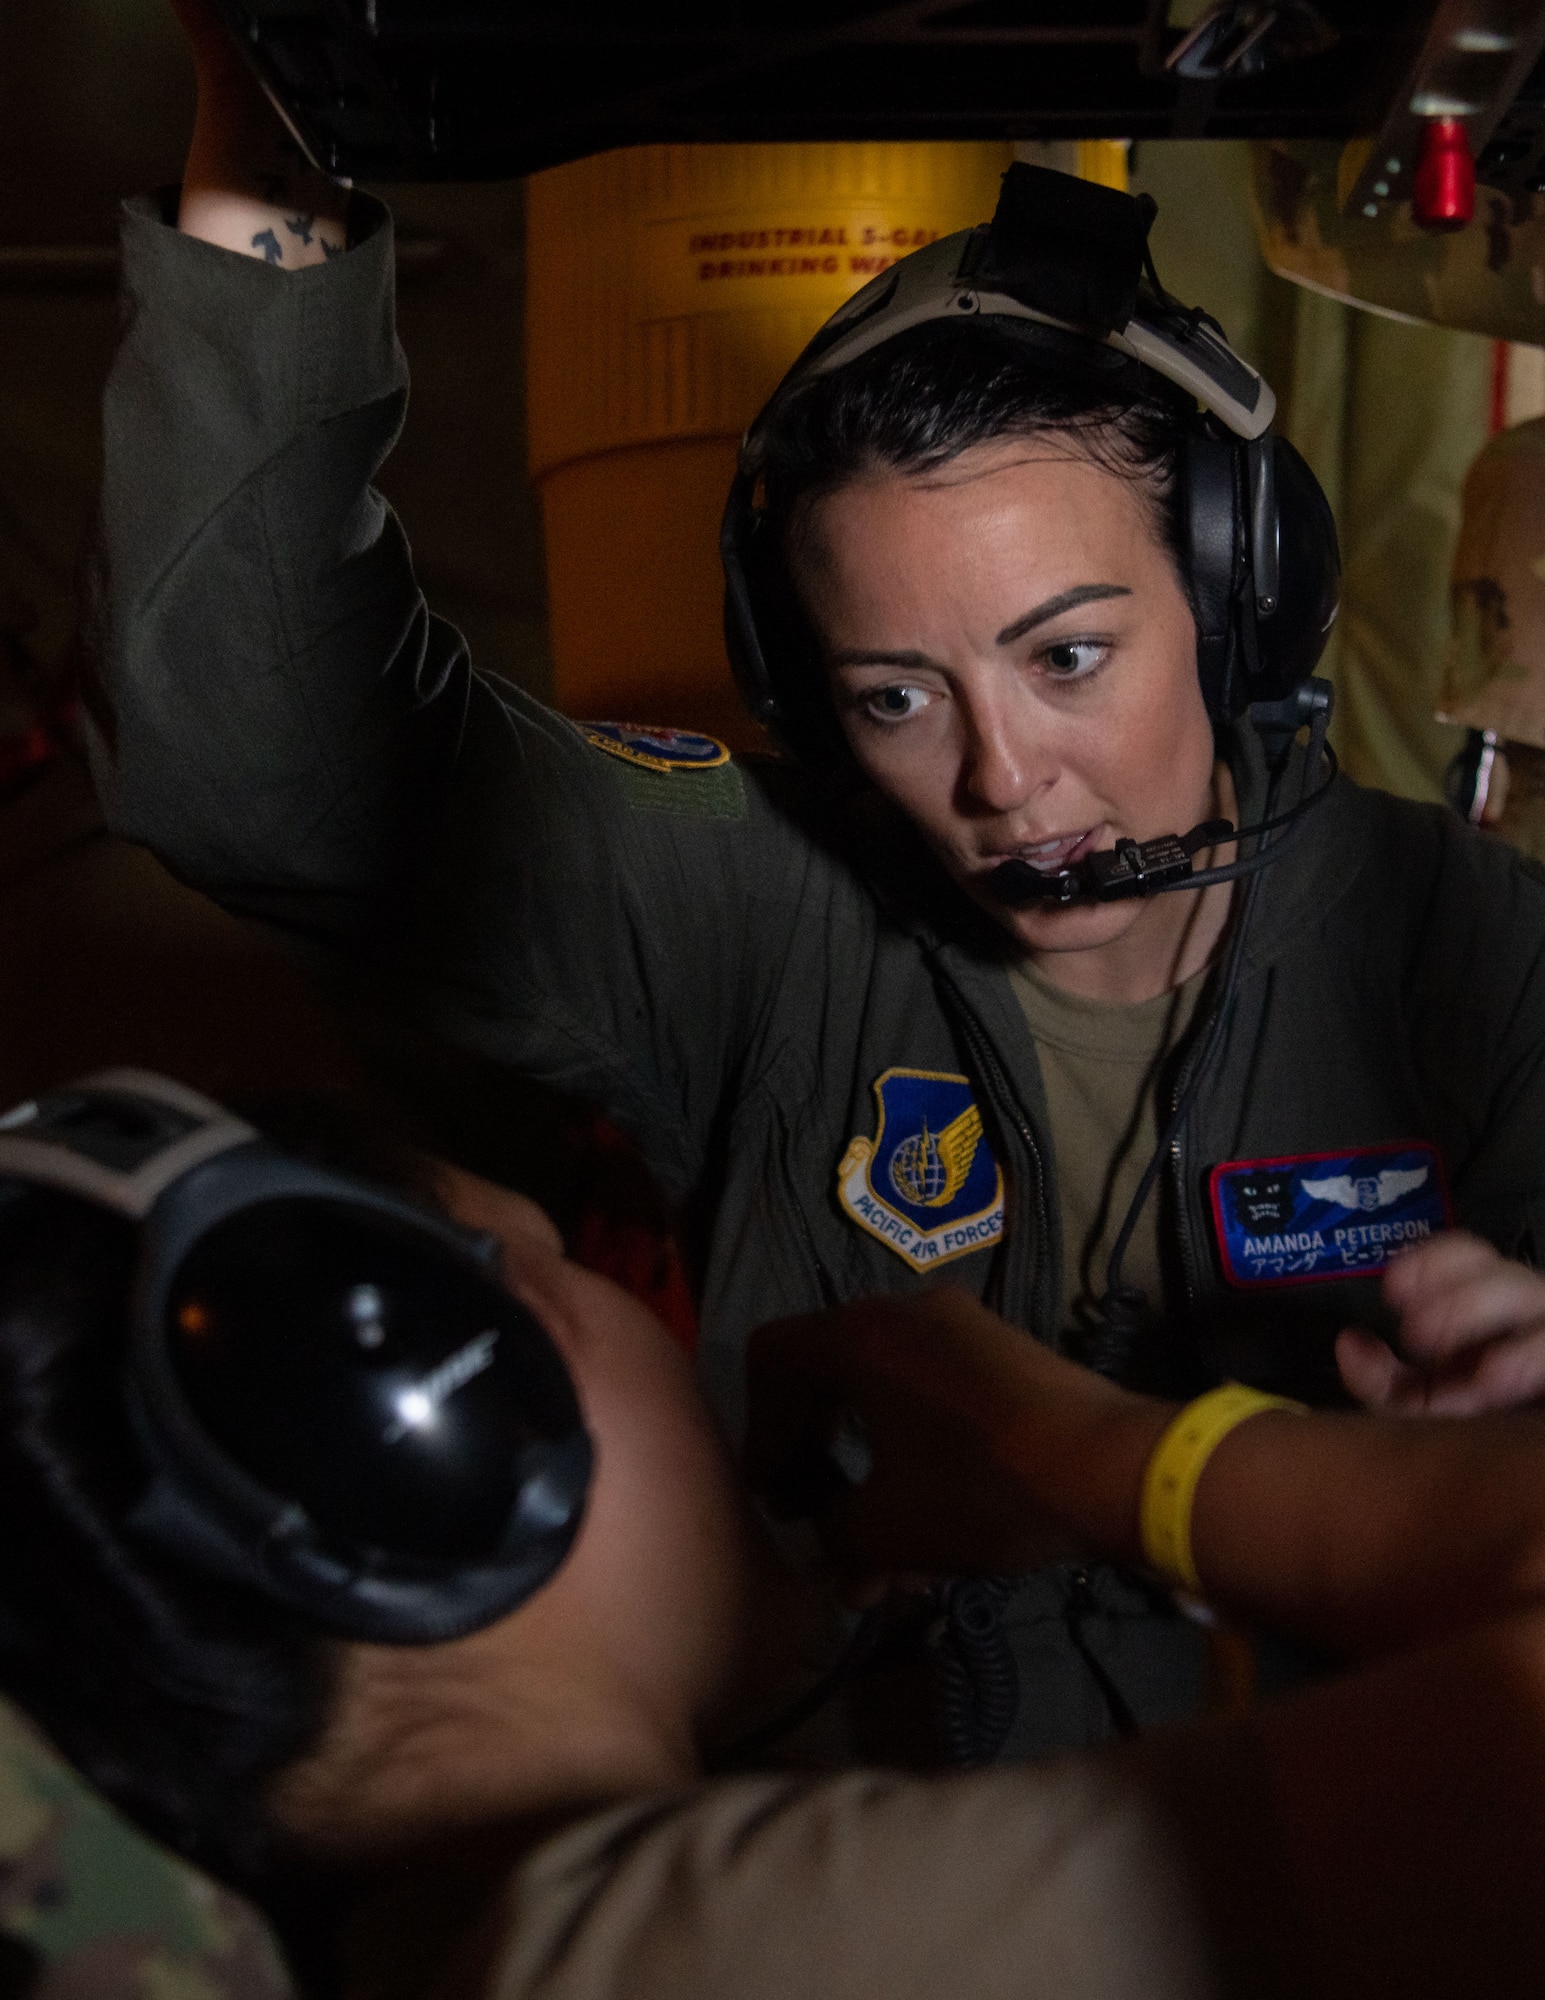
(926, 1184)
(656, 749)
(1325, 1215)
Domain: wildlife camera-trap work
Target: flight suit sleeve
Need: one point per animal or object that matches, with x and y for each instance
(278, 714)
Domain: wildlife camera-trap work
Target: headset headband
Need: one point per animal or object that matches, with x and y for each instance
(953, 280)
(63, 1142)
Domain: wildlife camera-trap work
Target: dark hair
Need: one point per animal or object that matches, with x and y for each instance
(177, 1697)
(922, 400)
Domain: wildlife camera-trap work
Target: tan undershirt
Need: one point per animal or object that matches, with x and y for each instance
(1100, 1063)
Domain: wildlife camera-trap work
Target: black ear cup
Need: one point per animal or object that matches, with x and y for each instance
(1264, 568)
(773, 652)
(342, 1414)
(1212, 525)
(336, 1403)
(1309, 573)
(747, 633)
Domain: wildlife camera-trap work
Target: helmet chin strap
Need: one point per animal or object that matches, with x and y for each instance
(1150, 867)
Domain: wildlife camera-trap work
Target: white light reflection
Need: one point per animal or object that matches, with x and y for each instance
(415, 1409)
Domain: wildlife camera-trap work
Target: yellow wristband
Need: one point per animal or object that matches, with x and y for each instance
(1177, 1463)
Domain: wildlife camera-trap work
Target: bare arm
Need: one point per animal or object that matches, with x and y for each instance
(990, 1453)
(247, 186)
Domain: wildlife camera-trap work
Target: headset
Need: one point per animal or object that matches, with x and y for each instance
(1063, 272)
(336, 1402)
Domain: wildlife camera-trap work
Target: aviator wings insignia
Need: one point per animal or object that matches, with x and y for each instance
(956, 1146)
(1338, 1189)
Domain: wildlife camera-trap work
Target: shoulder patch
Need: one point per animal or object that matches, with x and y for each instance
(926, 1184)
(1316, 1216)
(656, 749)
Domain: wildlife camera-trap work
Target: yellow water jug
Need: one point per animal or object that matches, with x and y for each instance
(668, 289)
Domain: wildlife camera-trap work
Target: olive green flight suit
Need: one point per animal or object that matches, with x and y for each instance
(723, 959)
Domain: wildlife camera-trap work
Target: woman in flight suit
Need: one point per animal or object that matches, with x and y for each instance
(1008, 589)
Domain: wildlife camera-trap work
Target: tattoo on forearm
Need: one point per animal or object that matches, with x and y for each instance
(306, 220)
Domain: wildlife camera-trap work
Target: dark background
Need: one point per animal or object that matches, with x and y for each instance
(96, 100)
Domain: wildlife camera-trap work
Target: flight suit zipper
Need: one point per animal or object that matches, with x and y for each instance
(1217, 1028)
(1214, 1030)
(1190, 1279)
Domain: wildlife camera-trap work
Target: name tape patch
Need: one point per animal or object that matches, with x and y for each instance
(1317, 1216)
(656, 748)
(927, 1184)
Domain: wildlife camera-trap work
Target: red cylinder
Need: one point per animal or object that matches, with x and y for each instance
(1443, 193)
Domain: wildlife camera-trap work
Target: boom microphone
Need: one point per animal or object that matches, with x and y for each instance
(1150, 867)
(1130, 868)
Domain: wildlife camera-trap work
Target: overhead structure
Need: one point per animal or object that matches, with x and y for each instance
(1470, 105)
(681, 248)
(480, 89)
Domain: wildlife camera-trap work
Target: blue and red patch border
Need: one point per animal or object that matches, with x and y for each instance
(1220, 1225)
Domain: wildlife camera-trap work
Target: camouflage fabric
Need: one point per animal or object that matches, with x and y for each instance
(92, 1910)
(1479, 279)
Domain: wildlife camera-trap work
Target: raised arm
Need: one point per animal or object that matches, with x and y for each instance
(276, 713)
(247, 186)
(279, 715)
(989, 1453)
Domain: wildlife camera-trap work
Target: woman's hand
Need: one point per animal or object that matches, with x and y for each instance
(1472, 1334)
(966, 1445)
